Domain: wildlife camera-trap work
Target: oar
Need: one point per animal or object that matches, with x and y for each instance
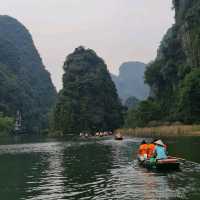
(174, 157)
(179, 158)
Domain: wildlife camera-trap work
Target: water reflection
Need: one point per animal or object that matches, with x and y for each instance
(87, 170)
(103, 169)
(50, 184)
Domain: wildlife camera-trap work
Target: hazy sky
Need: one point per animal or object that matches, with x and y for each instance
(118, 30)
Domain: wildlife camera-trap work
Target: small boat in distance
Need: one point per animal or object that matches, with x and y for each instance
(19, 128)
(119, 136)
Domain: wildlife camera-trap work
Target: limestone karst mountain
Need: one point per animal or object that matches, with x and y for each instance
(130, 81)
(25, 84)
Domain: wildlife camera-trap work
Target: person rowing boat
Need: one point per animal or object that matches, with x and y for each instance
(160, 150)
(156, 156)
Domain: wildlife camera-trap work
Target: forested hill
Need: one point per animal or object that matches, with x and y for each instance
(130, 81)
(174, 76)
(25, 85)
(88, 101)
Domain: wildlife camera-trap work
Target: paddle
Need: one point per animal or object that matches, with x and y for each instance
(180, 158)
(174, 157)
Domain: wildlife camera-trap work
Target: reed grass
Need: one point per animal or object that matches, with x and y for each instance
(162, 131)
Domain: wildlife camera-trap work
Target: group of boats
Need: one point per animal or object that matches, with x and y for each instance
(96, 135)
(117, 136)
(168, 163)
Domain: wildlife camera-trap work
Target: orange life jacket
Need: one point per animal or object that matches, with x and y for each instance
(150, 152)
(143, 149)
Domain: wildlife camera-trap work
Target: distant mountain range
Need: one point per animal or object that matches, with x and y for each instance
(130, 81)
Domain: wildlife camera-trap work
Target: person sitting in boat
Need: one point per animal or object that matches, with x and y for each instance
(81, 134)
(160, 150)
(118, 136)
(97, 134)
(101, 134)
(86, 135)
(143, 150)
(151, 148)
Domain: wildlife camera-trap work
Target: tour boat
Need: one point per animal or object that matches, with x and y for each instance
(118, 136)
(171, 163)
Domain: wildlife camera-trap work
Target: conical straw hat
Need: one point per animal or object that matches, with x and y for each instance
(159, 142)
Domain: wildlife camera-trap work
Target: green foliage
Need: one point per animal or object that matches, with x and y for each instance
(174, 76)
(146, 112)
(131, 102)
(88, 100)
(131, 119)
(153, 74)
(6, 124)
(189, 99)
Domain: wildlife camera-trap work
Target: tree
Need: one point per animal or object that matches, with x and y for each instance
(88, 100)
(6, 124)
(146, 112)
(132, 102)
(189, 99)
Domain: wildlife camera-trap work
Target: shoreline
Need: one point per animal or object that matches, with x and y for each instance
(162, 131)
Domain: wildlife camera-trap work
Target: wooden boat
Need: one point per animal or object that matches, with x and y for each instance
(171, 163)
(119, 136)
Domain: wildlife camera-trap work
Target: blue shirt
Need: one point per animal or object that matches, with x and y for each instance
(160, 152)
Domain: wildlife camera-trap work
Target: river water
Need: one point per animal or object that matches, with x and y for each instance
(101, 169)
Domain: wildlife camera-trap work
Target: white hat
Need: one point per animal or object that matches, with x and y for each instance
(159, 142)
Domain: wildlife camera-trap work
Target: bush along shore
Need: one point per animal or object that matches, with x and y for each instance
(162, 131)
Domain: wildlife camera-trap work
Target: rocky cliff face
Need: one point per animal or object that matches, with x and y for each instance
(27, 85)
(178, 55)
(130, 81)
(181, 7)
(187, 21)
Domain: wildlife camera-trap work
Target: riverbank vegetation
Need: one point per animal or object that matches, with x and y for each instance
(6, 125)
(162, 131)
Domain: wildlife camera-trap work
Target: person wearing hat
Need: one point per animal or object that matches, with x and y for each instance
(160, 150)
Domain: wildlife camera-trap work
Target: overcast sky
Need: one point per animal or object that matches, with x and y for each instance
(118, 30)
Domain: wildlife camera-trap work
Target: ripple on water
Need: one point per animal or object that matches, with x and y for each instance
(99, 170)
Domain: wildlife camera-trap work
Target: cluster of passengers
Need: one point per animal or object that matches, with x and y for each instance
(97, 134)
(105, 133)
(156, 150)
